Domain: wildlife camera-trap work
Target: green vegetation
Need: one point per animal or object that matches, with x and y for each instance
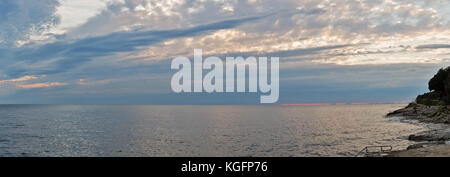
(439, 87)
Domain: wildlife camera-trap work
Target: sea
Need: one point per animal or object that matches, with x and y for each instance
(191, 131)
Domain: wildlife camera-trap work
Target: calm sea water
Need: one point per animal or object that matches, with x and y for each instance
(122, 130)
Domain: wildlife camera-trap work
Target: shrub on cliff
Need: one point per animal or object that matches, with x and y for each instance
(437, 83)
(432, 98)
(439, 87)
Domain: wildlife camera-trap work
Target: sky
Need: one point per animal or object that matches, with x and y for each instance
(119, 51)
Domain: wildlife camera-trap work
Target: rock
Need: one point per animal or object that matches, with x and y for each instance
(432, 150)
(423, 113)
(423, 145)
(432, 135)
(408, 110)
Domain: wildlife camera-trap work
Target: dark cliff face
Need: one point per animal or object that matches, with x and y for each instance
(439, 87)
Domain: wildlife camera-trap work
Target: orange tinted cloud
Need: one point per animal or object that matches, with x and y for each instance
(21, 79)
(41, 85)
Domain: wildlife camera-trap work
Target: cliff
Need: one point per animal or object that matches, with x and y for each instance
(439, 87)
(431, 107)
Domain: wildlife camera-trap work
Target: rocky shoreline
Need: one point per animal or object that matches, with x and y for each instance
(423, 113)
(432, 143)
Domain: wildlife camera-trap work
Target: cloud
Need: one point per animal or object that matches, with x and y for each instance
(385, 25)
(62, 56)
(41, 85)
(434, 46)
(21, 18)
(21, 79)
(326, 47)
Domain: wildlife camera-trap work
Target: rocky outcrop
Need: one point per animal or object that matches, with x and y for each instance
(427, 114)
(423, 113)
(423, 145)
(439, 135)
(433, 142)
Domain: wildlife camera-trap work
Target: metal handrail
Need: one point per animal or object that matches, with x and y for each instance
(381, 149)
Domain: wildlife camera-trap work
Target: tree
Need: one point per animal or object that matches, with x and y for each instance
(437, 83)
